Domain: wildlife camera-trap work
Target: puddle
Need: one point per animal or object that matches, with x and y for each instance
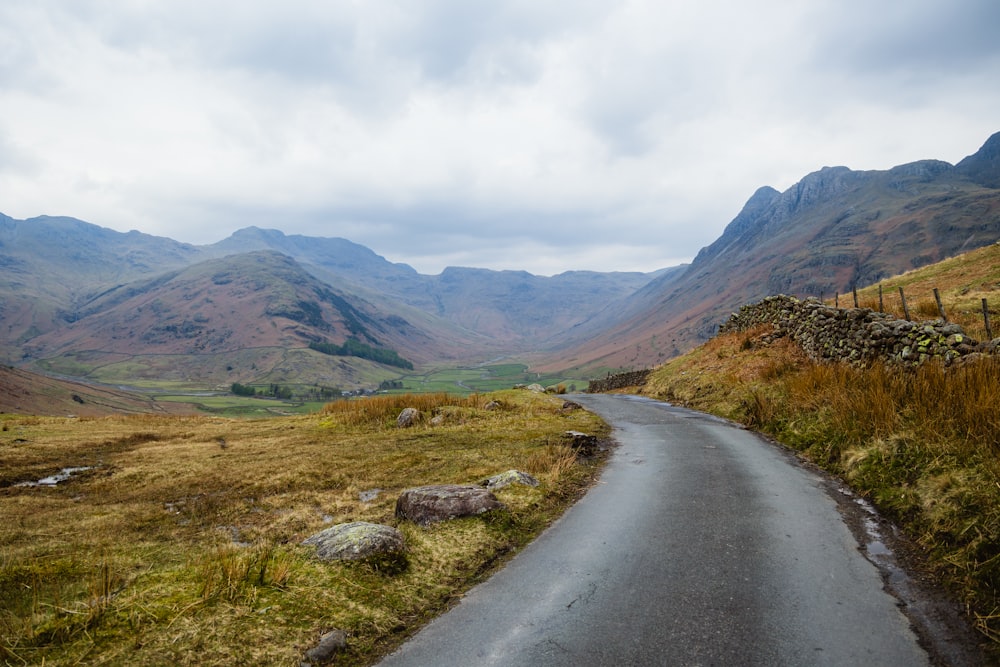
(60, 476)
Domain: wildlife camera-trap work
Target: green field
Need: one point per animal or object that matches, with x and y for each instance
(479, 379)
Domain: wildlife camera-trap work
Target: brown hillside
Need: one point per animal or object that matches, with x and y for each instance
(27, 393)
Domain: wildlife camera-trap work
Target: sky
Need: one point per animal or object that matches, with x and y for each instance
(538, 135)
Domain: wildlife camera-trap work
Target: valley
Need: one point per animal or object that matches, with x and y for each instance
(97, 305)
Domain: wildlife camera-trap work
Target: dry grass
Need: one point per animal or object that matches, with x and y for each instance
(182, 543)
(962, 283)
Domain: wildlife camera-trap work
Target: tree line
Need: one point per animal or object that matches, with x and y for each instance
(353, 347)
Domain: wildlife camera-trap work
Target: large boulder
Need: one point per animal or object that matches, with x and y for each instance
(427, 504)
(357, 541)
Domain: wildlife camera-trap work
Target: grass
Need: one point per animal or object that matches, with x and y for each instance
(494, 377)
(962, 283)
(182, 542)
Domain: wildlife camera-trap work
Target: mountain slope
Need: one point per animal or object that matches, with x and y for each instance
(49, 265)
(219, 311)
(835, 229)
(514, 309)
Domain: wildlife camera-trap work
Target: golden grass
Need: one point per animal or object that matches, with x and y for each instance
(182, 544)
(962, 283)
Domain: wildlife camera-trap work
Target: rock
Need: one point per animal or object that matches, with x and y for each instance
(426, 504)
(357, 541)
(437, 420)
(569, 406)
(537, 388)
(508, 478)
(582, 442)
(329, 645)
(493, 405)
(408, 417)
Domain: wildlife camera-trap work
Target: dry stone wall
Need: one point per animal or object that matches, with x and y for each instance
(618, 381)
(858, 335)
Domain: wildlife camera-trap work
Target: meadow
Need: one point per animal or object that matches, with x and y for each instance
(177, 540)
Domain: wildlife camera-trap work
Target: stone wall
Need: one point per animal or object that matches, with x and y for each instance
(619, 381)
(858, 335)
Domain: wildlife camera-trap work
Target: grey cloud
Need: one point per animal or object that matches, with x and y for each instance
(909, 36)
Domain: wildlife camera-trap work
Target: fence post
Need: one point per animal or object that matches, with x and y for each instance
(881, 308)
(937, 297)
(986, 320)
(855, 291)
(902, 297)
(836, 299)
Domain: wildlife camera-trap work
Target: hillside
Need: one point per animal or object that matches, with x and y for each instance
(515, 309)
(225, 320)
(835, 229)
(22, 392)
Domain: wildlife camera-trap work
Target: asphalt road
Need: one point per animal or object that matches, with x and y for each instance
(702, 544)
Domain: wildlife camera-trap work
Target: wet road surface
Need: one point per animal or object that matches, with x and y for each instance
(702, 544)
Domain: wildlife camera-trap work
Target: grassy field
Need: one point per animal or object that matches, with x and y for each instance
(180, 543)
(922, 444)
(492, 377)
(962, 283)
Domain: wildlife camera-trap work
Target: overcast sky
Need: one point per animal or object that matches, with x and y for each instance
(508, 134)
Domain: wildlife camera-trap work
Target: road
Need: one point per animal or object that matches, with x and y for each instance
(702, 544)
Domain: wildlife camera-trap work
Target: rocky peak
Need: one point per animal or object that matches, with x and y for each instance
(983, 166)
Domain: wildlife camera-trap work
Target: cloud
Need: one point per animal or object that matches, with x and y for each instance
(510, 134)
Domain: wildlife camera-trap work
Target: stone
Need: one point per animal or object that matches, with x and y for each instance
(493, 405)
(537, 388)
(427, 504)
(408, 417)
(583, 443)
(507, 478)
(328, 647)
(357, 541)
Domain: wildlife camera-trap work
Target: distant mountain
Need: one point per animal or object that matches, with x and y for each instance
(516, 307)
(75, 298)
(833, 230)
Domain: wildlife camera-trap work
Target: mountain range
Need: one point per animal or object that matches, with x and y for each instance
(80, 300)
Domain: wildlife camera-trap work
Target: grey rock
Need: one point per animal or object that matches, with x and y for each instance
(326, 650)
(427, 504)
(356, 541)
(507, 478)
(408, 417)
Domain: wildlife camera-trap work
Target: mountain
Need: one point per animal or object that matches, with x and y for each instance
(82, 300)
(518, 308)
(227, 319)
(833, 230)
(49, 265)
